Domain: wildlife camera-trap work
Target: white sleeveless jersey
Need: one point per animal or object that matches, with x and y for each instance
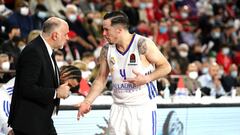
(121, 66)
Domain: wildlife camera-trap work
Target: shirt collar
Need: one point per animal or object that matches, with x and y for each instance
(49, 49)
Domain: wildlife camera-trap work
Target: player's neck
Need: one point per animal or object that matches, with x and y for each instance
(125, 42)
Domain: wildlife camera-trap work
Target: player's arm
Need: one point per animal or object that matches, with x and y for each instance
(151, 55)
(155, 57)
(101, 78)
(98, 84)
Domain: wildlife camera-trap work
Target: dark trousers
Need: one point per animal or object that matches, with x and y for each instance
(52, 132)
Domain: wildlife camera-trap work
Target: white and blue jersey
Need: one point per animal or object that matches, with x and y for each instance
(6, 91)
(134, 109)
(121, 66)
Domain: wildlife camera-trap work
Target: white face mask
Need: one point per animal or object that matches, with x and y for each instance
(24, 11)
(175, 29)
(2, 7)
(72, 17)
(42, 14)
(184, 15)
(234, 74)
(225, 51)
(98, 21)
(91, 65)
(183, 54)
(204, 70)
(193, 75)
(5, 66)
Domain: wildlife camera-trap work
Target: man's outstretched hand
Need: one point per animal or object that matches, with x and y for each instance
(84, 107)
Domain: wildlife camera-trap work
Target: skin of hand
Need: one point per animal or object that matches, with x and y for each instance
(84, 107)
(138, 80)
(63, 90)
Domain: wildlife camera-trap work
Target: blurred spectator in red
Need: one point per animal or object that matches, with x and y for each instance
(162, 33)
(224, 58)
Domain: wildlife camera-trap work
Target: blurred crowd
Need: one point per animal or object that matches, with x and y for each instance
(200, 38)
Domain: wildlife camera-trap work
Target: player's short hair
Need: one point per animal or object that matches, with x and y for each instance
(117, 17)
(71, 72)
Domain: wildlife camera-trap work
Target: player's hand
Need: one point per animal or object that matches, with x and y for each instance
(84, 107)
(138, 80)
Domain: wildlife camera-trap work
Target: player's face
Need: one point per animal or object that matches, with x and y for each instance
(109, 32)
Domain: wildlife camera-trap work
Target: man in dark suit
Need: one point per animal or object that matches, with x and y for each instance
(37, 89)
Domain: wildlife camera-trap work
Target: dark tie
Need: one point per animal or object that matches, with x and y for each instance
(56, 75)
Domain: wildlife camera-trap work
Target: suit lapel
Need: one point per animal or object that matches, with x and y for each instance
(48, 60)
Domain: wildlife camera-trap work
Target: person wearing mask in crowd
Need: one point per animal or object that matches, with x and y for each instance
(5, 75)
(11, 46)
(40, 15)
(191, 82)
(230, 81)
(22, 18)
(135, 63)
(223, 58)
(211, 81)
(83, 41)
(37, 89)
(183, 57)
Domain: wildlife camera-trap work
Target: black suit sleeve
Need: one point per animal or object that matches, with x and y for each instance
(32, 85)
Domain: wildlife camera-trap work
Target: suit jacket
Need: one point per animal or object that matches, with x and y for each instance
(33, 97)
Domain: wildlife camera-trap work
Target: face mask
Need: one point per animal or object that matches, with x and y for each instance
(98, 21)
(91, 65)
(72, 17)
(184, 15)
(16, 39)
(234, 74)
(225, 51)
(216, 34)
(204, 70)
(175, 29)
(5, 66)
(183, 54)
(42, 14)
(142, 5)
(163, 29)
(193, 75)
(24, 11)
(2, 7)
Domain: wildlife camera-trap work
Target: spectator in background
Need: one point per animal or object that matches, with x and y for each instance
(22, 18)
(11, 46)
(230, 81)
(82, 40)
(183, 57)
(5, 75)
(4, 11)
(191, 82)
(33, 34)
(40, 15)
(55, 8)
(223, 58)
(211, 81)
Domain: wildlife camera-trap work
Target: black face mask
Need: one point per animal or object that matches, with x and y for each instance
(16, 39)
(90, 20)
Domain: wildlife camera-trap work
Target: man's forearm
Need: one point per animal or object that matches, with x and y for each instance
(95, 90)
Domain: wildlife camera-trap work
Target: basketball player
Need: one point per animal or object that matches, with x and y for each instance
(135, 63)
